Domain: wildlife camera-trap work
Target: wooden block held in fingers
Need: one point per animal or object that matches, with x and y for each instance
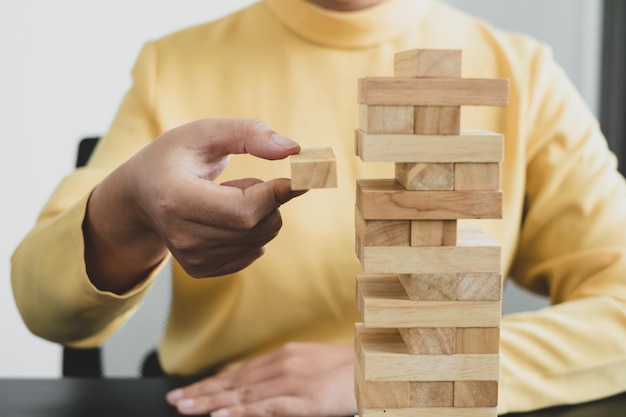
(477, 177)
(477, 340)
(382, 232)
(429, 340)
(390, 91)
(428, 63)
(475, 393)
(383, 303)
(313, 168)
(385, 199)
(437, 120)
(425, 176)
(431, 394)
(386, 119)
(469, 146)
(433, 232)
(479, 286)
(431, 287)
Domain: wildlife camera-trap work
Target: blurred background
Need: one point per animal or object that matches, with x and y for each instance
(64, 66)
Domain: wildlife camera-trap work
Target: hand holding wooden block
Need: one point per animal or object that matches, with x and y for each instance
(313, 168)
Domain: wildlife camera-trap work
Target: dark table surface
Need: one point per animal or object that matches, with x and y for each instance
(72, 397)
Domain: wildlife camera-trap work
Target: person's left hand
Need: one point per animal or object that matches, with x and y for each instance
(296, 380)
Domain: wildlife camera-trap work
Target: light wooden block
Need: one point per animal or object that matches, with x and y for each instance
(386, 91)
(313, 168)
(479, 286)
(429, 287)
(475, 393)
(383, 303)
(385, 199)
(430, 412)
(380, 394)
(477, 340)
(477, 177)
(390, 361)
(433, 232)
(469, 146)
(431, 394)
(425, 176)
(358, 247)
(382, 232)
(474, 252)
(386, 119)
(437, 120)
(428, 63)
(429, 340)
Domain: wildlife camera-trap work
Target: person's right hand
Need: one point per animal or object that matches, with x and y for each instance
(165, 198)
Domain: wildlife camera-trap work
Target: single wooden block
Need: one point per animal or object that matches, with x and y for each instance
(382, 232)
(386, 199)
(439, 63)
(429, 340)
(383, 303)
(425, 176)
(474, 252)
(386, 119)
(477, 177)
(313, 168)
(358, 246)
(437, 120)
(478, 340)
(431, 394)
(479, 286)
(429, 287)
(380, 394)
(390, 91)
(390, 361)
(469, 146)
(433, 232)
(430, 412)
(475, 393)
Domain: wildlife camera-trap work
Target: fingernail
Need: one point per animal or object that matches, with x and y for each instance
(284, 142)
(222, 412)
(186, 404)
(175, 395)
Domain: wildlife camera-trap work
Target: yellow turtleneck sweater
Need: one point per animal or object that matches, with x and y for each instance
(295, 66)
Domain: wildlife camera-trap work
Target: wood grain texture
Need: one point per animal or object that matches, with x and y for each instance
(386, 199)
(382, 232)
(386, 119)
(437, 120)
(430, 412)
(474, 252)
(433, 232)
(425, 176)
(477, 177)
(428, 63)
(429, 340)
(431, 394)
(479, 286)
(477, 340)
(468, 146)
(433, 91)
(429, 287)
(380, 394)
(475, 393)
(313, 168)
(383, 303)
(390, 361)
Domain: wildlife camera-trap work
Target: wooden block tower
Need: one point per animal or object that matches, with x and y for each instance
(430, 295)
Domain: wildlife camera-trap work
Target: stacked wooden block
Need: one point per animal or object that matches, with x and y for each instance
(430, 294)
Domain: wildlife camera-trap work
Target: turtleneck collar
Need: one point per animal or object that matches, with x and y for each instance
(350, 30)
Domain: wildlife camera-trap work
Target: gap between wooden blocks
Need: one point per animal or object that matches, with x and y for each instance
(313, 168)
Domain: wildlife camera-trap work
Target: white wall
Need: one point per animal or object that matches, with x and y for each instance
(64, 66)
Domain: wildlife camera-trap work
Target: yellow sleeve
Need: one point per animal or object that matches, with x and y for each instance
(51, 288)
(572, 247)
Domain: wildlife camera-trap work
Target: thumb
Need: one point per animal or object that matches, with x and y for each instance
(223, 137)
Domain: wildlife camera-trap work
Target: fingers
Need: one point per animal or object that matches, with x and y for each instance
(239, 136)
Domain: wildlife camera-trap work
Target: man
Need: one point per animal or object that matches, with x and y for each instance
(278, 333)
